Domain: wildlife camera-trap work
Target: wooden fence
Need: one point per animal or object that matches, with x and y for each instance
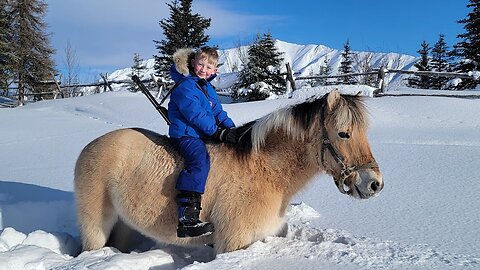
(380, 73)
(59, 90)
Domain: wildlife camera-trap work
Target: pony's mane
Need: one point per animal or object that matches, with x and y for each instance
(301, 120)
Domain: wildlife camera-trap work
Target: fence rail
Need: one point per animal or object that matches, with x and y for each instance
(59, 90)
(381, 73)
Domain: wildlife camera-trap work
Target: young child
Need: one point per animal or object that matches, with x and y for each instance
(195, 114)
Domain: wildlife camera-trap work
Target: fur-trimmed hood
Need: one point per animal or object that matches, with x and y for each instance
(182, 64)
(182, 59)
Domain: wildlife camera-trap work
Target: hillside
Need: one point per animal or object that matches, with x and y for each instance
(304, 59)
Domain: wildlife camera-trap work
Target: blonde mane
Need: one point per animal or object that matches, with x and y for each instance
(302, 120)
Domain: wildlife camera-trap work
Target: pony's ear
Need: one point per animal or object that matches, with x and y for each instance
(332, 99)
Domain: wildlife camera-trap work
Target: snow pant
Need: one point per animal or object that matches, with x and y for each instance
(197, 164)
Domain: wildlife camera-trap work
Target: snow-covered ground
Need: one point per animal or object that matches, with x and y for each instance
(426, 217)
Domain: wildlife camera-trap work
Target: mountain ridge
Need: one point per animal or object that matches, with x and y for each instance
(305, 60)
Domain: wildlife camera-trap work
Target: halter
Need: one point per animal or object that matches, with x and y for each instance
(346, 170)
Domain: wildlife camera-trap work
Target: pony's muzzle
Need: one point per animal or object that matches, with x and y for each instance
(368, 184)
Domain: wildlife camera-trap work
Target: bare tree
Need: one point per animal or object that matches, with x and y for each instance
(242, 52)
(391, 61)
(70, 76)
(362, 64)
(230, 63)
(233, 63)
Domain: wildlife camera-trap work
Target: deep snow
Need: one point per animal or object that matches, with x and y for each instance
(425, 218)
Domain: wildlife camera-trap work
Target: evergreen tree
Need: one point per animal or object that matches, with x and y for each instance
(137, 69)
(181, 30)
(313, 82)
(31, 46)
(468, 49)
(440, 62)
(7, 59)
(346, 65)
(423, 64)
(325, 70)
(260, 76)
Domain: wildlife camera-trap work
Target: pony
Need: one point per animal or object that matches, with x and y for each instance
(128, 175)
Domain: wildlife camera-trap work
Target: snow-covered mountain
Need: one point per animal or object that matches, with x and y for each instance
(305, 60)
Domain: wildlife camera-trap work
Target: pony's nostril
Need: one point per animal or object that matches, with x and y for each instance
(374, 185)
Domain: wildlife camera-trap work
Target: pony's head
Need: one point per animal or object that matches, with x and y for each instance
(345, 152)
(333, 129)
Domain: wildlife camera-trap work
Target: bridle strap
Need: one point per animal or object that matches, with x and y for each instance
(346, 170)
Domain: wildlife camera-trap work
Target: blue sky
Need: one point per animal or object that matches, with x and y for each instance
(106, 33)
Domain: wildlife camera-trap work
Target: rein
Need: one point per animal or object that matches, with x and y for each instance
(346, 170)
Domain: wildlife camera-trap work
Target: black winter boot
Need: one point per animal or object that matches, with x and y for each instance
(189, 224)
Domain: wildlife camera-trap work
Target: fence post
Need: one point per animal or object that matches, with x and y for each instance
(290, 77)
(59, 90)
(381, 81)
(157, 85)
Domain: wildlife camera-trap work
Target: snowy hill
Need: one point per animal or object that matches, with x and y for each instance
(304, 60)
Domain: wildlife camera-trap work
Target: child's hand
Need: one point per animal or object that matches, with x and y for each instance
(227, 135)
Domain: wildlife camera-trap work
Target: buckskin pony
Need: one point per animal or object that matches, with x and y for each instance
(128, 175)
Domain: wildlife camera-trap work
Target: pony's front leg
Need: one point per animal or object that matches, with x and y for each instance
(239, 233)
(232, 238)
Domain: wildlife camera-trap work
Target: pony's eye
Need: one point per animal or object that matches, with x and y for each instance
(344, 135)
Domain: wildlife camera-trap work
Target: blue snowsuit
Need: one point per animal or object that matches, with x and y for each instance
(195, 114)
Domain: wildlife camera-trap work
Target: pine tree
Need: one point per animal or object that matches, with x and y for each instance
(7, 59)
(260, 76)
(325, 70)
(181, 30)
(313, 82)
(423, 64)
(31, 46)
(346, 65)
(468, 49)
(137, 69)
(440, 62)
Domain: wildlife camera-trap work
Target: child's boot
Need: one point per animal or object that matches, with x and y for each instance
(189, 225)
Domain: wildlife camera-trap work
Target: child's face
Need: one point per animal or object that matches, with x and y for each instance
(203, 69)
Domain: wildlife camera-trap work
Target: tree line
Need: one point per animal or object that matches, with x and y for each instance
(464, 56)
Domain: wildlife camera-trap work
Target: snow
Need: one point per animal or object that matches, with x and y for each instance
(475, 74)
(426, 217)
